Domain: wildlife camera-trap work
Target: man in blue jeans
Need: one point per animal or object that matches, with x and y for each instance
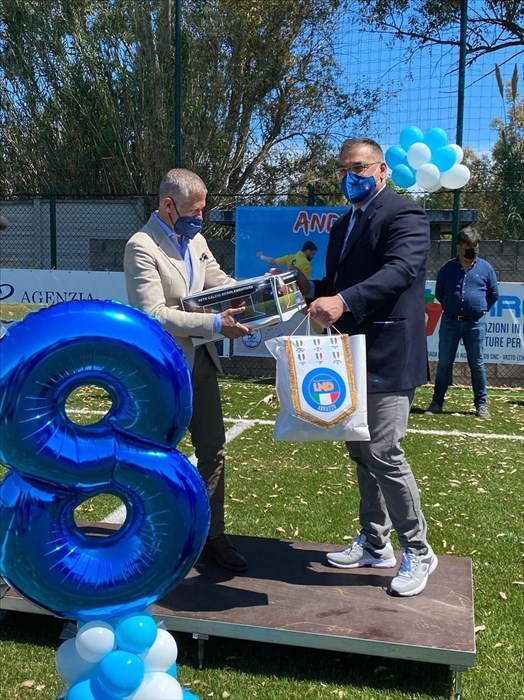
(467, 289)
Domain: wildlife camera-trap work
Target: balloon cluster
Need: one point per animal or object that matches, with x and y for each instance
(127, 658)
(428, 160)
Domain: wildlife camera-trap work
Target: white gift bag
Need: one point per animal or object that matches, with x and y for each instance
(321, 387)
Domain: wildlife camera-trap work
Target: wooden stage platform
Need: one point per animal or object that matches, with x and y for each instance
(290, 596)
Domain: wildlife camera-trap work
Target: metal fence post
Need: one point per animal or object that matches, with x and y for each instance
(460, 114)
(52, 225)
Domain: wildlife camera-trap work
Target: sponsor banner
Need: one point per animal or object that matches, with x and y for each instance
(504, 323)
(48, 287)
(504, 344)
(280, 231)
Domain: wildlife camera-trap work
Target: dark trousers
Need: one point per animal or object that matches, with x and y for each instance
(472, 333)
(208, 435)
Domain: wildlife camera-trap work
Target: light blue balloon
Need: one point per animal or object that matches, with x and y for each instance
(120, 672)
(136, 633)
(409, 136)
(101, 693)
(403, 176)
(395, 156)
(444, 158)
(80, 691)
(435, 138)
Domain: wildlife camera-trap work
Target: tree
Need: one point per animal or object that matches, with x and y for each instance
(508, 158)
(77, 110)
(480, 194)
(493, 25)
(87, 93)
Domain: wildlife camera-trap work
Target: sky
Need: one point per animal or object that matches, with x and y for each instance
(425, 87)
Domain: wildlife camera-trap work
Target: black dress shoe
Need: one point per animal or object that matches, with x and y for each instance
(222, 551)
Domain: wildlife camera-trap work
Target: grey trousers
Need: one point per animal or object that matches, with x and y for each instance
(208, 435)
(389, 496)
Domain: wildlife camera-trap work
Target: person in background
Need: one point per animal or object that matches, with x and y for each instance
(168, 259)
(467, 289)
(301, 260)
(376, 264)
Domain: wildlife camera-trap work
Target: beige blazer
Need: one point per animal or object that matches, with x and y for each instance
(156, 279)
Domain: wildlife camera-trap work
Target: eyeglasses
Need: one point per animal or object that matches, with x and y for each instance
(357, 168)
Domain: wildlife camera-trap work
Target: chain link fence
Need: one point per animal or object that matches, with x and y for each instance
(68, 233)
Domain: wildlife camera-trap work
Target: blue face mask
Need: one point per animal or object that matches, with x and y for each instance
(356, 188)
(187, 226)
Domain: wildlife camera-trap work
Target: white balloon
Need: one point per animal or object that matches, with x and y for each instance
(458, 150)
(428, 176)
(418, 154)
(157, 686)
(455, 178)
(437, 187)
(94, 640)
(69, 664)
(162, 654)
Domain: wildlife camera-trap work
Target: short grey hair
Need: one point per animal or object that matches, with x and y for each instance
(180, 184)
(362, 141)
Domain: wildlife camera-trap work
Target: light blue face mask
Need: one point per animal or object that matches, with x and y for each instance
(187, 226)
(356, 188)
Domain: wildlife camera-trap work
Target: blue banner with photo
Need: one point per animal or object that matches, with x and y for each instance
(280, 233)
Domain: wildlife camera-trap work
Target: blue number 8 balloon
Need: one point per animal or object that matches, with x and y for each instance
(54, 465)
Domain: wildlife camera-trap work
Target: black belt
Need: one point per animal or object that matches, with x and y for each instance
(471, 317)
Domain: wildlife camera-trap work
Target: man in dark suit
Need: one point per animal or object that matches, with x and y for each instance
(375, 278)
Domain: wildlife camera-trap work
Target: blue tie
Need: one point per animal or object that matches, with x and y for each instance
(355, 218)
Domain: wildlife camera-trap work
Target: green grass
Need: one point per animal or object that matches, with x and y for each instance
(472, 488)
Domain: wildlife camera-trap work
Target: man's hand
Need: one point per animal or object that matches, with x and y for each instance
(260, 254)
(327, 310)
(230, 327)
(302, 281)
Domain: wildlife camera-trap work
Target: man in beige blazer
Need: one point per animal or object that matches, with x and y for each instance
(164, 261)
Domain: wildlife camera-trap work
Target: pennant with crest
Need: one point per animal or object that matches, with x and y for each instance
(321, 378)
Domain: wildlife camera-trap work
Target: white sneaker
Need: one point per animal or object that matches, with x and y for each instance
(362, 553)
(414, 572)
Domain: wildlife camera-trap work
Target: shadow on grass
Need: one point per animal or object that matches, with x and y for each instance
(304, 665)
(266, 663)
(26, 628)
(516, 403)
(422, 411)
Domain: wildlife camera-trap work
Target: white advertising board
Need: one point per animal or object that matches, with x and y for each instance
(48, 287)
(504, 344)
(504, 323)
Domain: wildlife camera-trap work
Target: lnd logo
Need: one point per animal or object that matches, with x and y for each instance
(324, 390)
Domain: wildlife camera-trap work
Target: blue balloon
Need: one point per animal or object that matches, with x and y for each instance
(136, 633)
(409, 136)
(435, 138)
(395, 156)
(80, 691)
(120, 673)
(188, 695)
(444, 158)
(403, 176)
(55, 465)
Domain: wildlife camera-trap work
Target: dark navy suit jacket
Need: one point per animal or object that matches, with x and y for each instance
(381, 275)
